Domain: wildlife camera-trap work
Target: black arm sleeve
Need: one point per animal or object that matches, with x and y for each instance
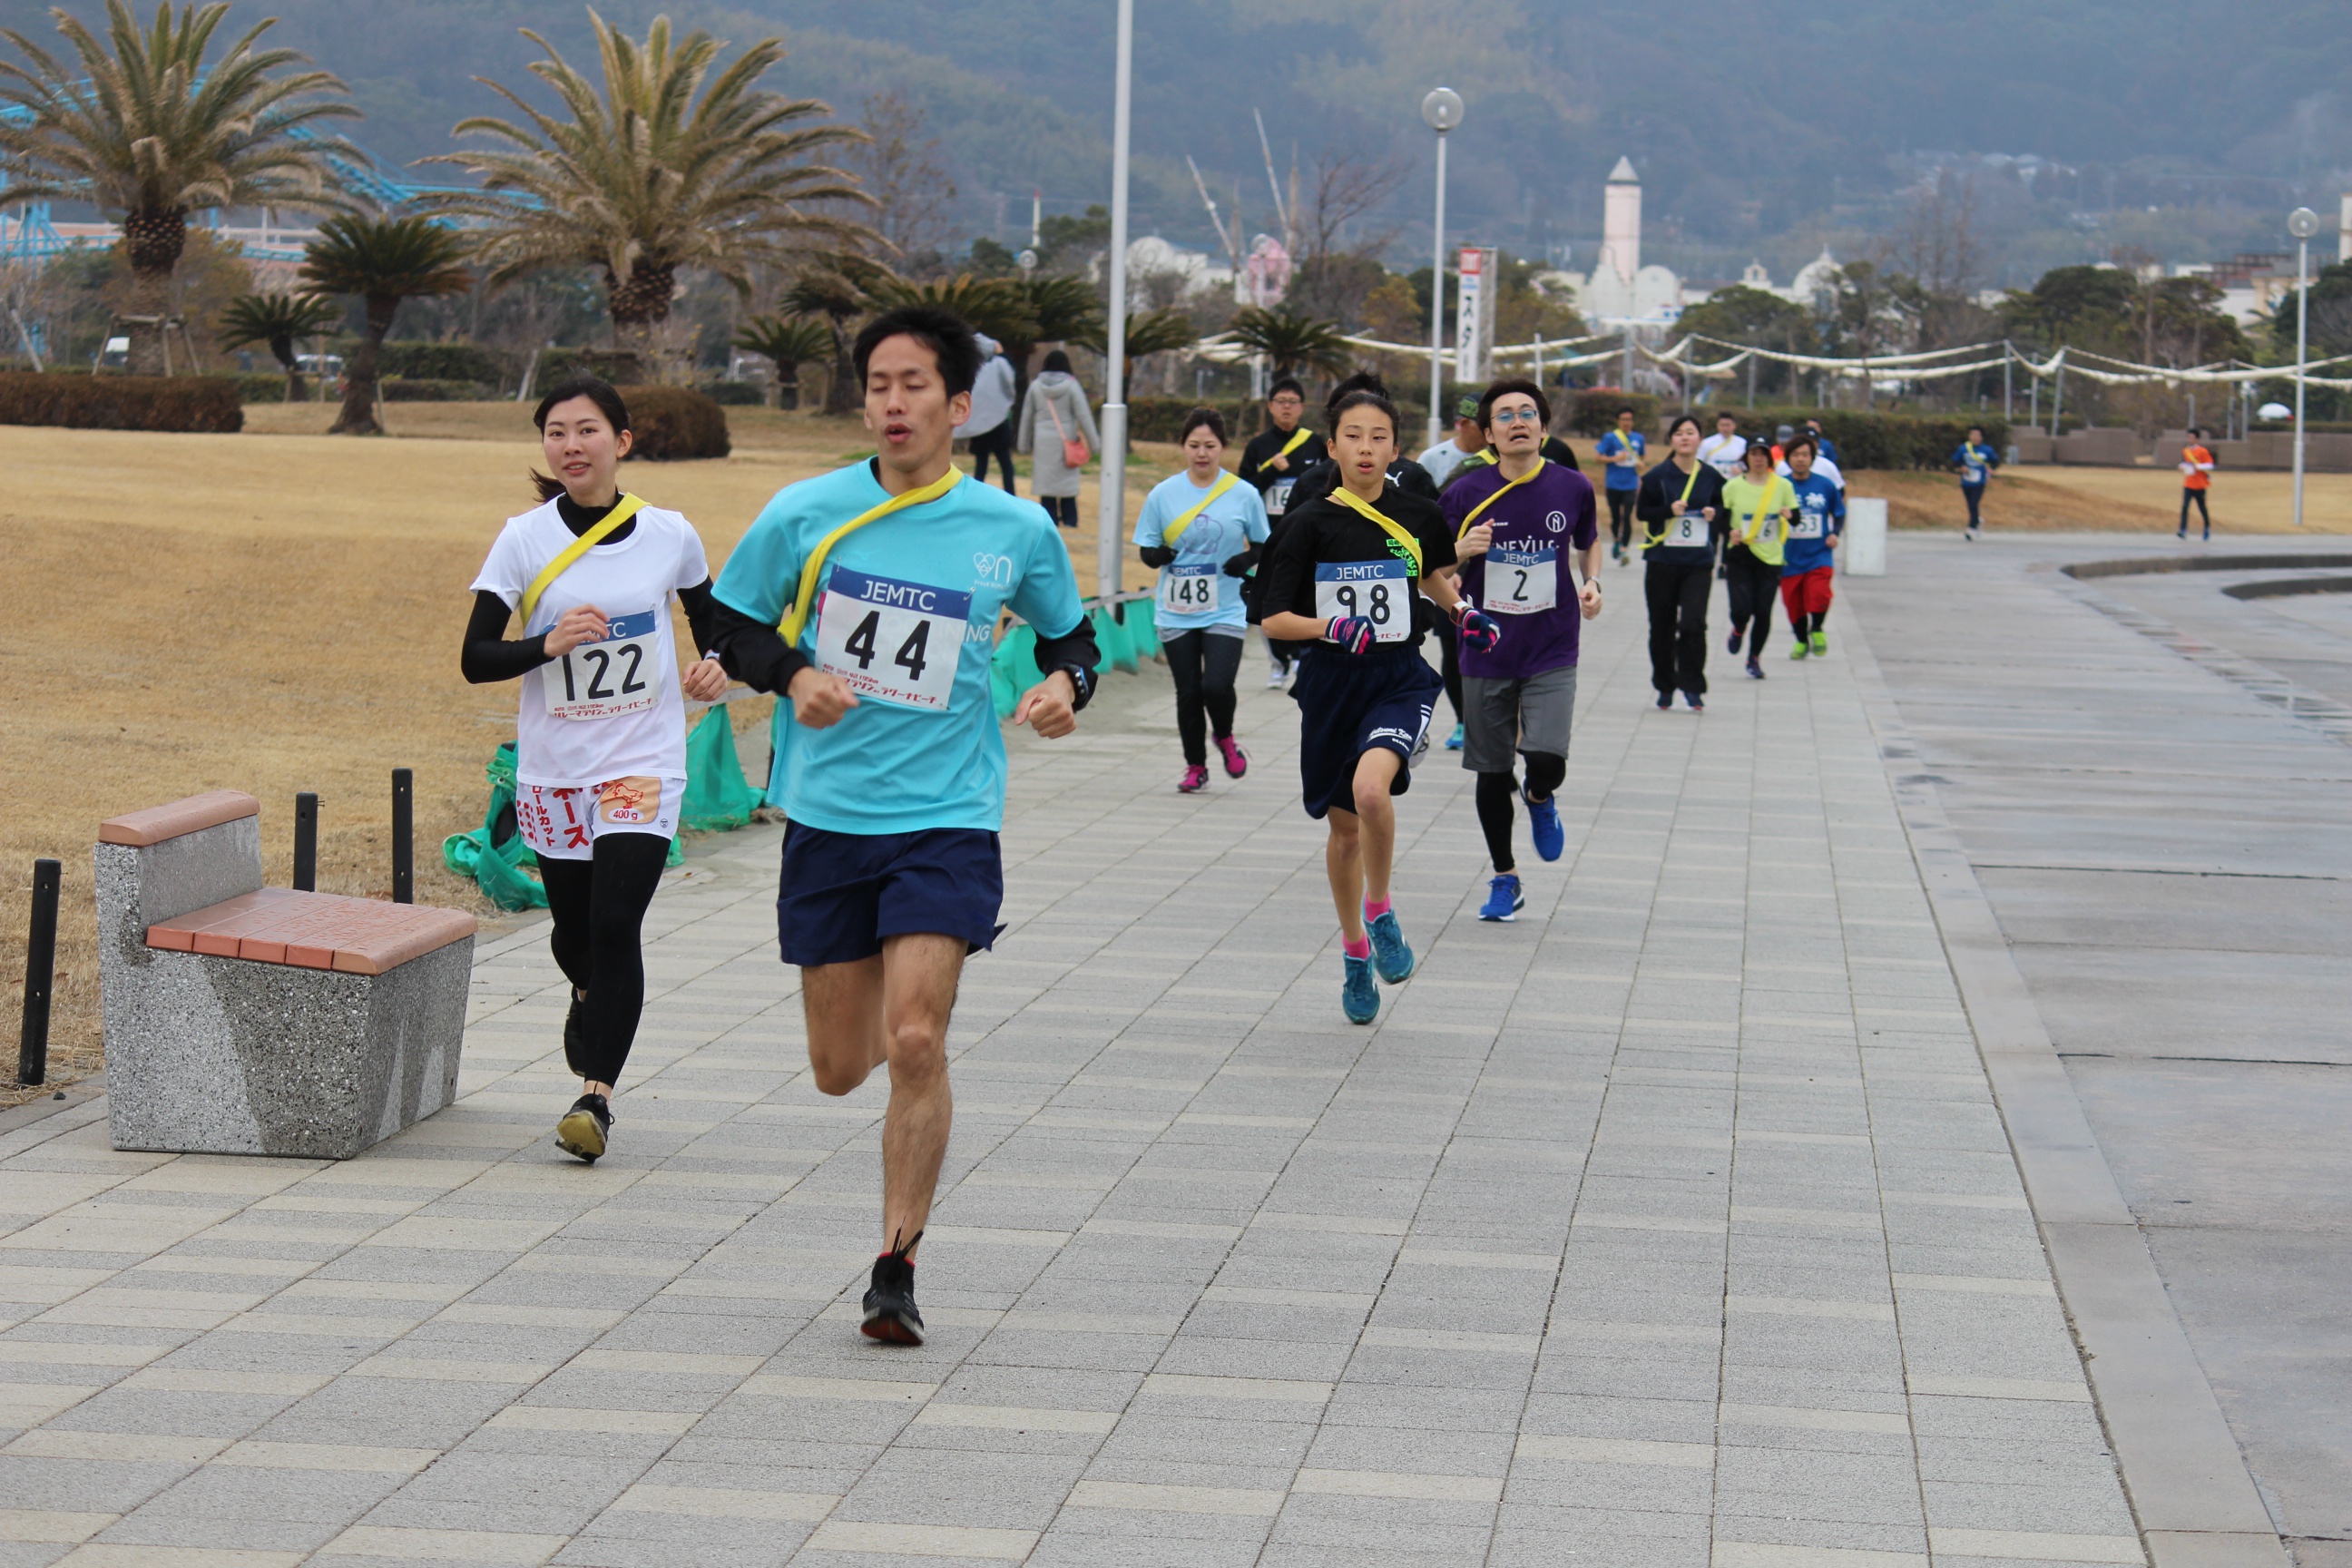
(1651, 504)
(754, 652)
(701, 618)
(487, 655)
(1243, 564)
(1079, 648)
(1155, 555)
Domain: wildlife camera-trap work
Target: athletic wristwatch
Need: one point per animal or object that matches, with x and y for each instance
(1082, 682)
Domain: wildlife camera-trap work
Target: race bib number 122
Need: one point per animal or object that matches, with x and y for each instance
(892, 641)
(603, 679)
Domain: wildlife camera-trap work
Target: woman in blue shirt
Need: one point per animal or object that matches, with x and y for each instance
(1974, 462)
(1203, 529)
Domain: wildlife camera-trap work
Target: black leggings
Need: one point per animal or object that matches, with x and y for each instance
(1621, 517)
(599, 906)
(2187, 496)
(1204, 665)
(1063, 510)
(1677, 595)
(1975, 494)
(1545, 773)
(1752, 585)
(1449, 665)
(998, 442)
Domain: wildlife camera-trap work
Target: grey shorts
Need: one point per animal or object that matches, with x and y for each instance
(1500, 718)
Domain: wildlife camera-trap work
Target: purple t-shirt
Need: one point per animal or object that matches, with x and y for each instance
(1525, 579)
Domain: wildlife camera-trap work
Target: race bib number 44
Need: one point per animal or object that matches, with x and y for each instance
(1380, 592)
(603, 679)
(1522, 581)
(892, 641)
(1189, 588)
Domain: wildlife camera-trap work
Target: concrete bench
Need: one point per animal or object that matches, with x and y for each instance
(249, 1020)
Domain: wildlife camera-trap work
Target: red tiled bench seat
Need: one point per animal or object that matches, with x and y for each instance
(313, 931)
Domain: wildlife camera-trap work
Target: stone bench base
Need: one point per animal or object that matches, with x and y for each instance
(241, 1020)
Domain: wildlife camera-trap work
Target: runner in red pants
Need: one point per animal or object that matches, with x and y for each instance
(1806, 563)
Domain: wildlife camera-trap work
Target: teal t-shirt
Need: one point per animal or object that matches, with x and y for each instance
(1194, 590)
(921, 750)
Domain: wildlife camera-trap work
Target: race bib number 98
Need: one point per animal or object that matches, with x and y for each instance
(1522, 581)
(892, 641)
(1380, 592)
(603, 679)
(1189, 588)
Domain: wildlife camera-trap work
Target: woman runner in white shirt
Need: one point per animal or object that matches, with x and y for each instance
(600, 753)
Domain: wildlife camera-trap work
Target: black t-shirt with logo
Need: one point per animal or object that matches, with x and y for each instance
(1323, 533)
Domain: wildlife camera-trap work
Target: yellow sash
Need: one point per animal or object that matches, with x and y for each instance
(1169, 535)
(1649, 539)
(796, 622)
(626, 507)
(1355, 502)
(1468, 522)
(1768, 492)
(1299, 438)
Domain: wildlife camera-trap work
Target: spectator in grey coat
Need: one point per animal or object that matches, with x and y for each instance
(1054, 413)
(990, 427)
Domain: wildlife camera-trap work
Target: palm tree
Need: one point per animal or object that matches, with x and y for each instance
(645, 178)
(1159, 331)
(278, 319)
(384, 260)
(787, 343)
(1293, 340)
(834, 294)
(151, 132)
(993, 305)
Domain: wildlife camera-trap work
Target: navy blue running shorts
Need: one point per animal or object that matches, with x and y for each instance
(1350, 704)
(842, 893)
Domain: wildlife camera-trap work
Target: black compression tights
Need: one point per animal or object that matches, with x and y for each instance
(1203, 665)
(599, 906)
(1545, 773)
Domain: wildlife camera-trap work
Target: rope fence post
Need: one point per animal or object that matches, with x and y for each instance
(404, 836)
(306, 843)
(41, 974)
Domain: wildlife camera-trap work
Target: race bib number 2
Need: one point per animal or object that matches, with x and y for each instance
(1522, 581)
(1380, 592)
(1189, 588)
(892, 641)
(603, 679)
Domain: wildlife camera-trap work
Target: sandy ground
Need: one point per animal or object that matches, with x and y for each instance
(280, 611)
(277, 612)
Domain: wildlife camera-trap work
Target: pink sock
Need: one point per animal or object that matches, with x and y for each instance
(1357, 947)
(1373, 911)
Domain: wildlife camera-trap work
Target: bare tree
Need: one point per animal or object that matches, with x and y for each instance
(1332, 271)
(901, 170)
(1937, 241)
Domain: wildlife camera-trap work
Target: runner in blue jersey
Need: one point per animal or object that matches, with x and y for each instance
(1204, 529)
(869, 598)
(1621, 452)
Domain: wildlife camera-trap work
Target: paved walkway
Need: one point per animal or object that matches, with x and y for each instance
(1672, 1225)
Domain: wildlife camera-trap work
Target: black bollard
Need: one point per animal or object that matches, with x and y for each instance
(404, 836)
(306, 843)
(40, 968)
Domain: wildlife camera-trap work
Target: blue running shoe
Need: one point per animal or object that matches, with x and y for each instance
(1504, 899)
(1453, 742)
(1390, 956)
(1543, 821)
(1358, 998)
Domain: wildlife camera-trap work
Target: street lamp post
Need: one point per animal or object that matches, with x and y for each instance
(1111, 526)
(1441, 109)
(2302, 223)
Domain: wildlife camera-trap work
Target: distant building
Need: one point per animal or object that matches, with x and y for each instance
(1620, 288)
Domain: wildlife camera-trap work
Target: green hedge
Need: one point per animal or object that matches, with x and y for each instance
(734, 393)
(672, 422)
(405, 389)
(1592, 410)
(209, 404)
(438, 361)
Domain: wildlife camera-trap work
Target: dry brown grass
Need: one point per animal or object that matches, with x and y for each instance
(280, 611)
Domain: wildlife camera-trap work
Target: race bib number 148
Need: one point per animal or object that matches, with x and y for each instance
(892, 641)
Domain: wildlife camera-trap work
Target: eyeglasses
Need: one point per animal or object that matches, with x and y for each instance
(1515, 416)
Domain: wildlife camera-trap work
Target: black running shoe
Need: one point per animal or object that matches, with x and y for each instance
(581, 1132)
(575, 1042)
(891, 1314)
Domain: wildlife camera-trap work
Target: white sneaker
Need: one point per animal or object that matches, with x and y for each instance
(1275, 676)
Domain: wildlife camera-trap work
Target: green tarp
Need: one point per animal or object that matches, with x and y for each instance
(717, 798)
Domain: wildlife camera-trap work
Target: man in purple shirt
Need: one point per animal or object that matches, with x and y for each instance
(1516, 524)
